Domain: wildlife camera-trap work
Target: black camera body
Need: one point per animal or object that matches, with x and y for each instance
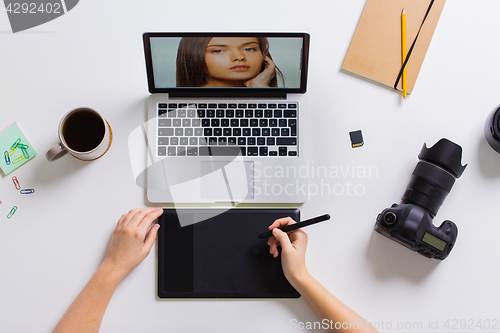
(410, 223)
(411, 226)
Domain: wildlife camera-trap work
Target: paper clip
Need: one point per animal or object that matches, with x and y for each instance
(15, 144)
(7, 157)
(16, 183)
(12, 211)
(25, 152)
(27, 191)
(19, 159)
(12, 151)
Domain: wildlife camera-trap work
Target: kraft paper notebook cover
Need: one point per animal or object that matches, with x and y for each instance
(375, 50)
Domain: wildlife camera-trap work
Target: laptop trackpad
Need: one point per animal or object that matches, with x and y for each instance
(223, 181)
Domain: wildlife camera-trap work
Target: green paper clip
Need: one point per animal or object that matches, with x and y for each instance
(12, 211)
(14, 145)
(25, 152)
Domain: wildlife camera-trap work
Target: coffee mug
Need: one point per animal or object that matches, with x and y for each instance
(83, 133)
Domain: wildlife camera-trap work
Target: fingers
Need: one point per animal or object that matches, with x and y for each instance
(140, 219)
(269, 62)
(273, 246)
(274, 242)
(281, 223)
(125, 218)
(150, 239)
(141, 214)
(146, 218)
(120, 221)
(283, 239)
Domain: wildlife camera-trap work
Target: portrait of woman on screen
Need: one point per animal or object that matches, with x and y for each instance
(226, 62)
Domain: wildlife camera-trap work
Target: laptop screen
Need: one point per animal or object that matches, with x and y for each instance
(230, 62)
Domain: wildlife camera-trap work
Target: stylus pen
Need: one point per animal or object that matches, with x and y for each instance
(296, 226)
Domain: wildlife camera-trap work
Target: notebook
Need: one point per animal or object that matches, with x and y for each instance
(220, 257)
(375, 50)
(226, 115)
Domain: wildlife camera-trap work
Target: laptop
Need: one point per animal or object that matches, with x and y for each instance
(226, 117)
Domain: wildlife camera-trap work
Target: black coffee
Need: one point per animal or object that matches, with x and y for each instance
(83, 131)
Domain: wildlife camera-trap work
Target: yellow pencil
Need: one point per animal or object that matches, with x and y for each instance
(403, 47)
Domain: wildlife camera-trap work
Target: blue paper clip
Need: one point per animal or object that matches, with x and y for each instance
(27, 191)
(12, 211)
(14, 145)
(7, 157)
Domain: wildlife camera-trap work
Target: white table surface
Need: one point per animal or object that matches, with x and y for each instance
(93, 56)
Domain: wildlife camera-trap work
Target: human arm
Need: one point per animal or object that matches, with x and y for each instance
(263, 78)
(129, 245)
(326, 306)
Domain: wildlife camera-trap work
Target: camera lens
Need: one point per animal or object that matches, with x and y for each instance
(434, 176)
(390, 218)
(428, 187)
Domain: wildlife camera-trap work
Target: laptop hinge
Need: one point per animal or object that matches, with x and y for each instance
(244, 93)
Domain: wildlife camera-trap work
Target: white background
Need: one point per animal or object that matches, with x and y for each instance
(93, 56)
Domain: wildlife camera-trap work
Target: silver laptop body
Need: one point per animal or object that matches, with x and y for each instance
(232, 144)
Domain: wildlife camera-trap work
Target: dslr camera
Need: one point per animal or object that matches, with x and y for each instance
(410, 222)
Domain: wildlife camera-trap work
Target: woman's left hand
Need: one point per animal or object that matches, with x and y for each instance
(131, 241)
(262, 80)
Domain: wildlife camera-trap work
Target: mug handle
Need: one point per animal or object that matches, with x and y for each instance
(56, 152)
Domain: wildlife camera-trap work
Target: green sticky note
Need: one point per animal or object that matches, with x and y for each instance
(15, 149)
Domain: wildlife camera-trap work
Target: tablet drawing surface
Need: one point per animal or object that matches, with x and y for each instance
(221, 257)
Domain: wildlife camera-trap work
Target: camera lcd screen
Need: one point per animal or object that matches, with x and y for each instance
(434, 241)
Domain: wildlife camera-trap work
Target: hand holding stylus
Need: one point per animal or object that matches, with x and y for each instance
(326, 306)
(295, 226)
(293, 248)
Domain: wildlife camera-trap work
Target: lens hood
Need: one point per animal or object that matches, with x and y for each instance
(492, 129)
(446, 154)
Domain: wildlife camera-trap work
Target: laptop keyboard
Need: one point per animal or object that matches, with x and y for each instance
(226, 129)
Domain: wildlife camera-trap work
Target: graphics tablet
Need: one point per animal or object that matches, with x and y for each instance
(220, 257)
